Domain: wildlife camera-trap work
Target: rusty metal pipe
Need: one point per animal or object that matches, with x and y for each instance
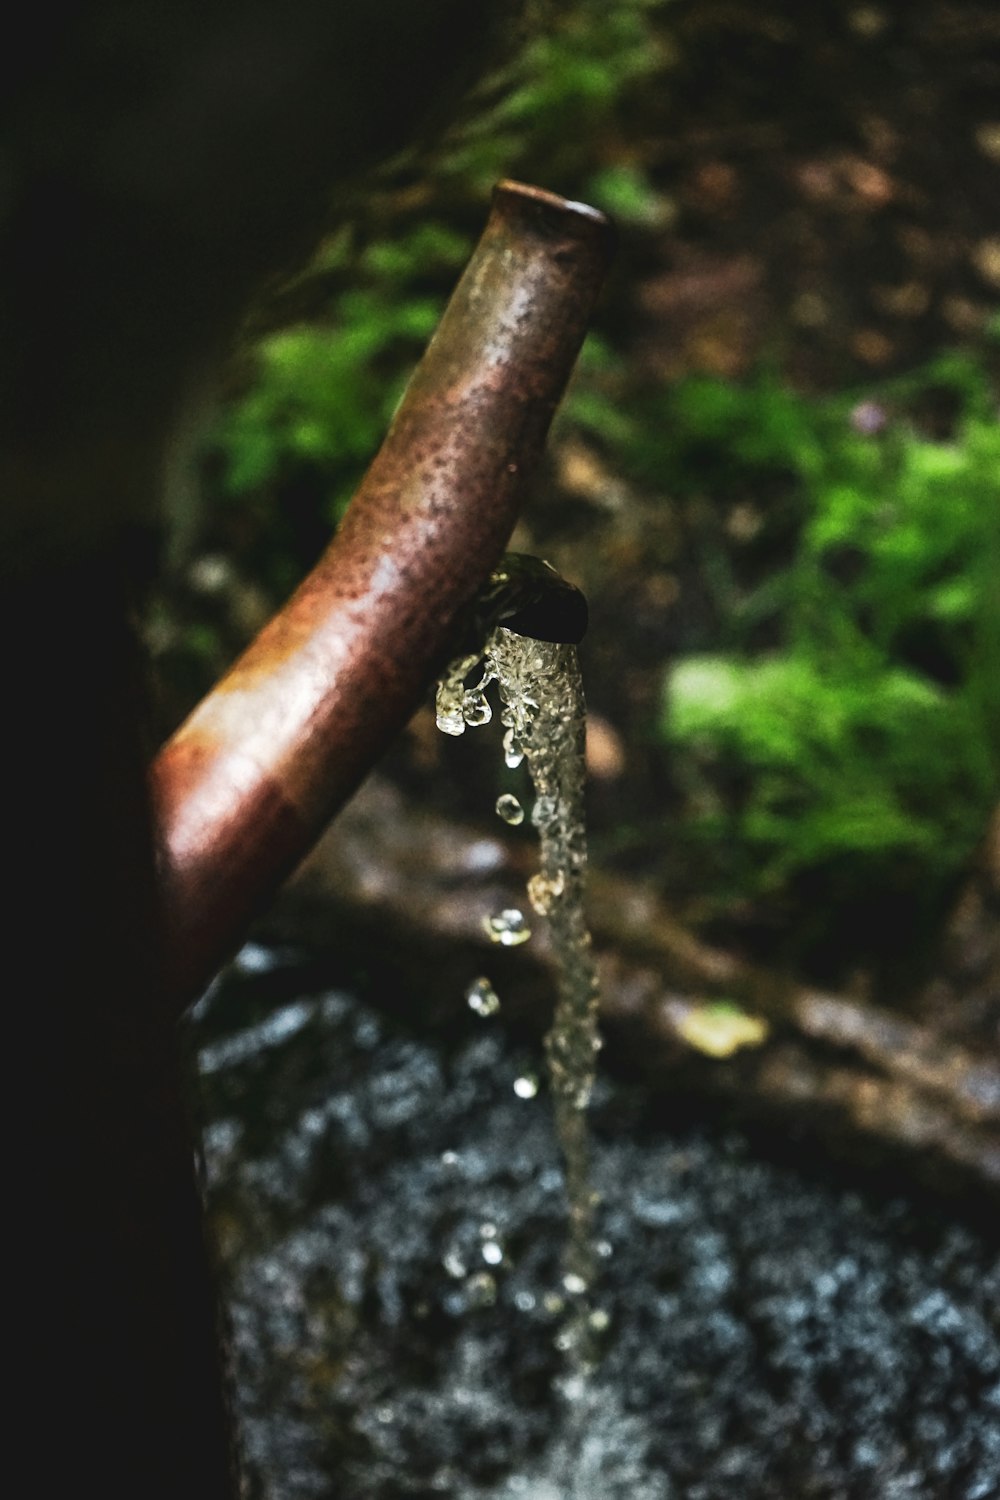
(249, 780)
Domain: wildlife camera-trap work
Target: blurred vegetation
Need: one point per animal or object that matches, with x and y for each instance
(322, 392)
(865, 739)
(831, 725)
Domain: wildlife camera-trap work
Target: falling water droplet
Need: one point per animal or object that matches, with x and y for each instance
(574, 1284)
(513, 749)
(526, 1087)
(510, 809)
(492, 1253)
(482, 998)
(508, 928)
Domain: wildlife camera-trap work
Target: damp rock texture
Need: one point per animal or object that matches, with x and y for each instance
(392, 1217)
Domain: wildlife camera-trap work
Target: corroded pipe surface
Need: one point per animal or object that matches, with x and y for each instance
(249, 780)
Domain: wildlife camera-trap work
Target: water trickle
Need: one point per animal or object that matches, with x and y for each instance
(544, 718)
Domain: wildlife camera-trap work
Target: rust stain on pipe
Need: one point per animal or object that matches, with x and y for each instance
(249, 780)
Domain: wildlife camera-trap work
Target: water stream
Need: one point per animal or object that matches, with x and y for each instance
(544, 719)
(390, 1206)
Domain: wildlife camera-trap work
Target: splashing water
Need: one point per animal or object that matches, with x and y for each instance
(544, 718)
(598, 1451)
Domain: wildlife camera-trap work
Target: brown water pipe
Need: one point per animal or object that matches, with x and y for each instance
(248, 782)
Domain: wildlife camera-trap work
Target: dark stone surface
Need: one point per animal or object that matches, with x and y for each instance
(770, 1333)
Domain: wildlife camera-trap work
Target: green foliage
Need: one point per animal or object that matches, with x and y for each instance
(562, 101)
(593, 403)
(320, 397)
(846, 724)
(321, 394)
(868, 739)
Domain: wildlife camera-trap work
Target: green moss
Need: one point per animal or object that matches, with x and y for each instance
(870, 736)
